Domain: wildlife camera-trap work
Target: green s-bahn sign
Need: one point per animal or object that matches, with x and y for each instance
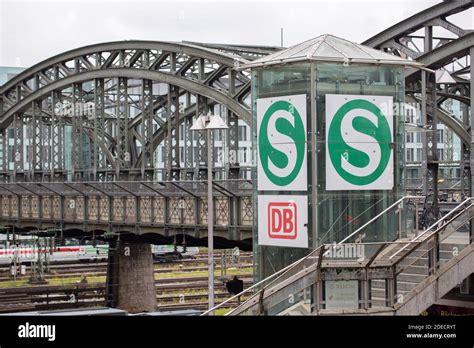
(281, 143)
(359, 151)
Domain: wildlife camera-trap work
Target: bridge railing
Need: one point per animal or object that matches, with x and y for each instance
(127, 203)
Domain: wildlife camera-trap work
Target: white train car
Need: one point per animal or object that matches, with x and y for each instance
(166, 253)
(72, 253)
(86, 253)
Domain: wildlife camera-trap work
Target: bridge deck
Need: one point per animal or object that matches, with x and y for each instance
(166, 207)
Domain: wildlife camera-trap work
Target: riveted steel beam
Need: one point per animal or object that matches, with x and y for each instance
(190, 85)
(98, 158)
(147, 129)
(122, 147)
(77, 132)
(417, 21)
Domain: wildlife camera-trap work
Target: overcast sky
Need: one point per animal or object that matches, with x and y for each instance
(31, 31)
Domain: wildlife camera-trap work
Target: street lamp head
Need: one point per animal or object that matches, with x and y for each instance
(209, 122)
(216, 122)
(199, 124)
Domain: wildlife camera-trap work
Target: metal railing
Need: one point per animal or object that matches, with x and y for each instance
(140, 203)
(381, 214)
(285, 272)
(424, 251)
(435, 224)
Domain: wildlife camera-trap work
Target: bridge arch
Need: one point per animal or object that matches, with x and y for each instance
(415, 38)
(166, 84)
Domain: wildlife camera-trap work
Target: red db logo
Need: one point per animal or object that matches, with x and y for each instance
(282, 220)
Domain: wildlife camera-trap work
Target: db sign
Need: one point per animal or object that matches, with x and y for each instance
(282, 221)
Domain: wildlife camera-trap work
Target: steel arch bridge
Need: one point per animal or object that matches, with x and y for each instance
(76, 124)
(451, 52)
(140, 91)
(79, 132)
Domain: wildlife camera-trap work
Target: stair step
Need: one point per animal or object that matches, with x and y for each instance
(378, 302)
(416, 269)
(411, 277)
(446, 250)
(450, 246)
(409, 260)
(444, 254)
(401, 285)
(423, 261)
(380, 292)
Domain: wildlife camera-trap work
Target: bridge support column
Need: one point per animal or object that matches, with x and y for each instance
(130, 277)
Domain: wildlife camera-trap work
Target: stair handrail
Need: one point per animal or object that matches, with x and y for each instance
(436, 231)
(287, 269)
(279, 272)
(435, 224)
(379, 215)
(294, 264)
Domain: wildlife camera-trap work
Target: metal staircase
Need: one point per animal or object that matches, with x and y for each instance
(403, 277)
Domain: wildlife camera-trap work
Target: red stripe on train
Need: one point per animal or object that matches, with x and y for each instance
(29, 251)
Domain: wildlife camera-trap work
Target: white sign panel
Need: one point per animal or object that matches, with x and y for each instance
(359, 148)
(281, 139)
(342, 294)
(283, 220)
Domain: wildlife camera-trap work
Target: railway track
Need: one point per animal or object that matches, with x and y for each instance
(74, 269)
(171, 294)
(185, 290)
(102, 271)
(201, 257)
(202, 306)
(83, 266)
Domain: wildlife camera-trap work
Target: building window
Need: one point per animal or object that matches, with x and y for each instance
(410, 137)
(440, 154)
(410, 155)
(217, 135)
(196, 154)
(11, 157)
(440, 134)
(418, 137)
(242, 154)
(242, 133)
(163, 154)
(418, 155)
(412, 174)
(409, 117)
(217, 153)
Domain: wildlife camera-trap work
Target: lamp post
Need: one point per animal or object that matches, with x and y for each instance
(209, 123)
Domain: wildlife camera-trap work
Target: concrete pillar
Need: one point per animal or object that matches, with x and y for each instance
(130, 278)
